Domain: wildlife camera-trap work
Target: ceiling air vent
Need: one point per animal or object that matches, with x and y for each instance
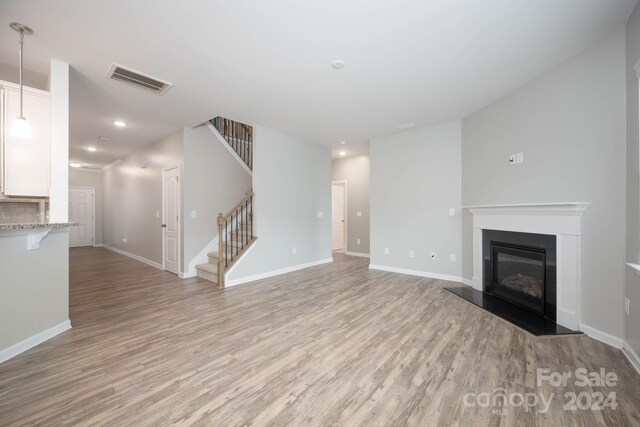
(135, 78)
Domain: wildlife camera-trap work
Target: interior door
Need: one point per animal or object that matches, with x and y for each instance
(337, 216)
(81, 211)
(171, 219)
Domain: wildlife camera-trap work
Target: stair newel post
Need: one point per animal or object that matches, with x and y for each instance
(220, 253)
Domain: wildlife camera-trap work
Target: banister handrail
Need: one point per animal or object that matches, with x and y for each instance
(237, 222)
(246, 197)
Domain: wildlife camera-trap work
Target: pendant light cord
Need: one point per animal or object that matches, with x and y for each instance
(21, 89)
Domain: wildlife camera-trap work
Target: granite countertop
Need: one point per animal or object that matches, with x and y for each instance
(36, 225)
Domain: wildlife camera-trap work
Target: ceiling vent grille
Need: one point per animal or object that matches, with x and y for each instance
(135, 78)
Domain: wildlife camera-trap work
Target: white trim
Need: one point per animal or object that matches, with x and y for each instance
(467, 282)
(416, 273)
(134, 256)
(637, 69)
(634, 267)
(93, 199)
(164, 220)
(226, 145)
(345, 237)
(275, 272)
(601, 336)
(361, 254)
(201, 258)
(99, 245)
(631, 355)
(33, 341)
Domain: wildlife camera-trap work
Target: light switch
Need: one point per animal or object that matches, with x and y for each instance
(452, 212)
(452, 257)
(411, 254)
(320, 214)
(386, 251)
(194, 214)
(358, 213)
(358, 241)
(520, 157)
(157, 214)
(294, 250)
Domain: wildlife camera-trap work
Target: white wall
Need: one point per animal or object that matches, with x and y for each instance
(355, 170)
(570, 124)
(132, 195)
(632, 290)
(213, 182)
(415, 180)
(90, 178)
(292, 181)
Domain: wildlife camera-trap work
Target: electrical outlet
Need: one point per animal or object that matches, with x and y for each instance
(452, 257)
(320, 214)
(452, 212)
(124, 240)
(386, 251)
(627, 302)
(411, 254)
(358, 241)
(512, 159)
(194, 214)
(433, 255)
(294, 250)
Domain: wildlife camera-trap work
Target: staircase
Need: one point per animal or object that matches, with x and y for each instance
(238, 135)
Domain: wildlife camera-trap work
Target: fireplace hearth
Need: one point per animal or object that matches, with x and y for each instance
(519, 283)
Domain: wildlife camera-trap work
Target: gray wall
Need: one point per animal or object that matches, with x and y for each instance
(292, 181)
(355, 170)
(84, 178)
(132, 196)
(633, 181)
(213, 182)
(415, 180)
(34, 295)
(570, 124)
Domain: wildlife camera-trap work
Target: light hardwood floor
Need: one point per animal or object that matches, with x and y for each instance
(331, 345)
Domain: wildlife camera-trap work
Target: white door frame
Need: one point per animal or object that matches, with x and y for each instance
(346, 212)
(93, 201)
(164, 242)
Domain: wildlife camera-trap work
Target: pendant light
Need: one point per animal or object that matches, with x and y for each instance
(21, 128)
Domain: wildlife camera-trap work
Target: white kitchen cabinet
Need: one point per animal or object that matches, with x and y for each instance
(25, 163)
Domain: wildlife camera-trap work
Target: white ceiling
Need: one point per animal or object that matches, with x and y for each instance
(268, 62)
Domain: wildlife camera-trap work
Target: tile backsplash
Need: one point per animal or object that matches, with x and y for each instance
(18, 212)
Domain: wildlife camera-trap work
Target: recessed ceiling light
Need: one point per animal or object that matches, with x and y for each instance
(338, 64)
(406, 126)
(75, 164)
(343, 142)
(104, 138)
(92, 149)
(119, 123)
(342, 153)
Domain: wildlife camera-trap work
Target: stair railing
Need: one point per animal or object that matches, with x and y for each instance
(239, 136)
(235, 234)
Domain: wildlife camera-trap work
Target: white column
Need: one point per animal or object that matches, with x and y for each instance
(568, 281)
(59, 192)
(477, 259)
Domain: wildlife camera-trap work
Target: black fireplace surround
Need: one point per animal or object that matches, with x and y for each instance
(520, 268)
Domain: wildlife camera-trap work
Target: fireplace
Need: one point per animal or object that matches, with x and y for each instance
(520, 268)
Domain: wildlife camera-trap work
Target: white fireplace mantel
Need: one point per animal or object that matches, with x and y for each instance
(560, 219)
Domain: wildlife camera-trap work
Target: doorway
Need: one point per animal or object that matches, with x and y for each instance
(171, 220)
(338, 215)
(82, 210)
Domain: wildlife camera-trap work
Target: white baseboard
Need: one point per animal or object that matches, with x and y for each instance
(416, 273)
(358, 254)
(631, 355)
(467, 282)
(601, 336)
(33, 341)
(134, 256)
(268, 274)
(98, 245)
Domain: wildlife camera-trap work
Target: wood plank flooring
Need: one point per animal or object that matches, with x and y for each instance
(333, 345)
